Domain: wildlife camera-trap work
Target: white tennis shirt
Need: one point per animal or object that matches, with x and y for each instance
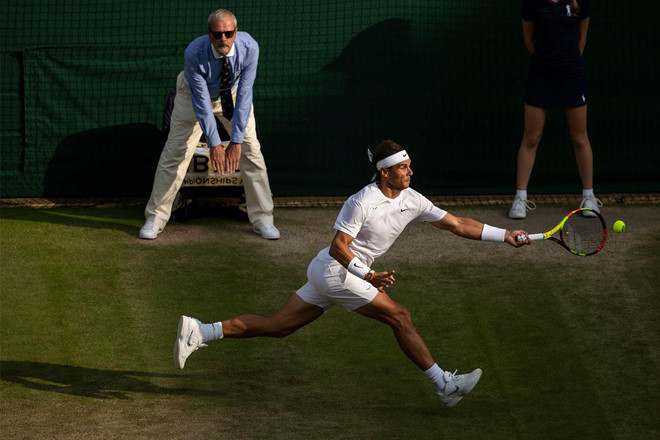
(375, 221)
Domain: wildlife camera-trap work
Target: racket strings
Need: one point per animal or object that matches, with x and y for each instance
(584, 235)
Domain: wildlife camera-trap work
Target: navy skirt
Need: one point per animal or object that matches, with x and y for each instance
(563, 91)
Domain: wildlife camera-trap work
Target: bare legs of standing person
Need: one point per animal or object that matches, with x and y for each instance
(534, 123)
(576, 119)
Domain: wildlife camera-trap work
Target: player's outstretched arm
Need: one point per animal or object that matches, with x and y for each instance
(467, 227)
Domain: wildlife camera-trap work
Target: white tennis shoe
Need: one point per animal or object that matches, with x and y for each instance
(591, 202)
(520, 206)
(150, 231)
(457, 386)
(269, 232)
(188, 340)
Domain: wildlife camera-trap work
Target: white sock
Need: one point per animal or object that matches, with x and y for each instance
(435, 375)
(522, 193)
(211, 332)
(587, 192)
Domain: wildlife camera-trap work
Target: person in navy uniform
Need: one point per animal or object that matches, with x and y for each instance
(555, 34)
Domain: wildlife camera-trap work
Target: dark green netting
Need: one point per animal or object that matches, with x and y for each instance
(85, 83)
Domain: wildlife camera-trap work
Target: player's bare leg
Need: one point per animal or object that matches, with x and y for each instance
(192, 334)
(294, 314)
(385, 310)
(450, 387)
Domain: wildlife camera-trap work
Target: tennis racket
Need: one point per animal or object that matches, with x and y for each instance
(579, 234)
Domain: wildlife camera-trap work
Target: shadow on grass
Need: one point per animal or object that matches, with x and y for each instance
(117, 219)
(127, 220)
(87, 382)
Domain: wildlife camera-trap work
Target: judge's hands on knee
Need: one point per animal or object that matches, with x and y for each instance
(225, 161)
(217, 155)
(232, 157)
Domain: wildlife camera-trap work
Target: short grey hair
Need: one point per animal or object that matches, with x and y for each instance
(219, 15)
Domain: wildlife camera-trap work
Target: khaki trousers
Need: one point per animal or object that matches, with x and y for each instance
(183, 138)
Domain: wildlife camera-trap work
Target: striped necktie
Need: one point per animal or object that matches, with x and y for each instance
(225, 90)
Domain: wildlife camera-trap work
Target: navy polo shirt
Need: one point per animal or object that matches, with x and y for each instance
(556, 50)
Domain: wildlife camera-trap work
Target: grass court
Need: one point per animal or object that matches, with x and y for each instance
(569, 345)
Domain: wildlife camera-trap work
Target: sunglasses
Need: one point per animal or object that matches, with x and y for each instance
(227, 34)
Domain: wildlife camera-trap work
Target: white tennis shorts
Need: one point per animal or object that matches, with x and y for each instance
(328, 283)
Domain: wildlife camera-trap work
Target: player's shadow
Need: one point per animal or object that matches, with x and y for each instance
(88, 382)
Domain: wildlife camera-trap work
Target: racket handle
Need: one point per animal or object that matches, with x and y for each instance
(536, 236)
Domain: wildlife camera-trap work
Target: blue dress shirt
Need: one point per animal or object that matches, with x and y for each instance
(202, 69)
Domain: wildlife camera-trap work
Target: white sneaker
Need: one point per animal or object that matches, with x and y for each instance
(520, 206)
(150, 231)
(593, 203)
(188, 340)
(455, 387)
(269, 232)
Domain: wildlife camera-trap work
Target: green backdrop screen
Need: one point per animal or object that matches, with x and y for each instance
(85, 84)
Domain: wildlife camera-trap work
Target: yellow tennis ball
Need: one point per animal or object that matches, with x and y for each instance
(619, 226)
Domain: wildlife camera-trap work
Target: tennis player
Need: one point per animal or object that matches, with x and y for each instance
(367, 225)
(555, 34)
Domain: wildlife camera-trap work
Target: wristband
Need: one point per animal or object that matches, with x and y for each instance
(358, 268)
(490, 233)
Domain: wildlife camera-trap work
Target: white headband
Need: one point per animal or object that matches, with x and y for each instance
(389, 160)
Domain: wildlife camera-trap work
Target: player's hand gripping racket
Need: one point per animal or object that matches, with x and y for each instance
(578, 234)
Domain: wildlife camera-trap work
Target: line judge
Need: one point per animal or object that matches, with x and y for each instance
(217, 79)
